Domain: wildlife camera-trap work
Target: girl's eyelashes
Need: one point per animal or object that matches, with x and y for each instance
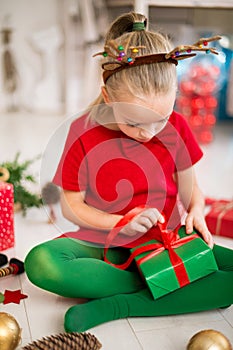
(136, 125)
(133, 125)
(165, 120)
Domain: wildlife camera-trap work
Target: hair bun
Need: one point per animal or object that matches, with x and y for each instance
(138, 26)
(125, 24)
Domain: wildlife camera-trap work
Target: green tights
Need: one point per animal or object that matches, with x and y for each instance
(73, 269)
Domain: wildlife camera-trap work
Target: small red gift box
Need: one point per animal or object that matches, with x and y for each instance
(7, 237)
(220, 217)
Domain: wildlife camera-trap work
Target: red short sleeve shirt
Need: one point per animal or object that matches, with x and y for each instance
(118, 173)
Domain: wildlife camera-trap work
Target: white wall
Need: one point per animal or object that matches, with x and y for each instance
(27, 18)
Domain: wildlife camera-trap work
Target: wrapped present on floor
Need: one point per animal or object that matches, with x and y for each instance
(7, 238)
(175, 261)
(219, 219)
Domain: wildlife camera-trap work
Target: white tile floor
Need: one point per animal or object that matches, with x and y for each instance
(41, 314)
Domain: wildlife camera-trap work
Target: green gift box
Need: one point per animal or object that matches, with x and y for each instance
(175, 261)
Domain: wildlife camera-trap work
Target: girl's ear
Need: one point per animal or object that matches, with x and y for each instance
(105, 95)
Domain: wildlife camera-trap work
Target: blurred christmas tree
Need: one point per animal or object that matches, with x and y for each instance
(20, 178)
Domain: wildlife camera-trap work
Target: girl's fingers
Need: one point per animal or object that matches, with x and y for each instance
(208, 238)
(161, 218)
(201, 228)
(138, 228)
(145, 221)
(155, 216)
(189, 224)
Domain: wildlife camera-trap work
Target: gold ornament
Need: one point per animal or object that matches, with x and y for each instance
(4, 174)
(209, 339)
(10, 332)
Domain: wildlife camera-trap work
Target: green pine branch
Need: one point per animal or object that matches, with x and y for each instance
(19, 177)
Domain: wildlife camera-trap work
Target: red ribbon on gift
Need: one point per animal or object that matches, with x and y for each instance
(170, 241)
(116, 230)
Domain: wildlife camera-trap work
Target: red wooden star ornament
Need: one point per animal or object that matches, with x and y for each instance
(12, 296)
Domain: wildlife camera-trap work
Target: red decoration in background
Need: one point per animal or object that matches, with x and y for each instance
(219, 218)
(197, 101)
(210, 119)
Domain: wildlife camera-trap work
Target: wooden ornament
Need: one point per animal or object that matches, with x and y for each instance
(4, 174)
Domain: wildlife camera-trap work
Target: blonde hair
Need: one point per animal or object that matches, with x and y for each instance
(147, 79)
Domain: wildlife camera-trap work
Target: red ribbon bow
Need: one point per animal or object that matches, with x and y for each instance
(170, 240)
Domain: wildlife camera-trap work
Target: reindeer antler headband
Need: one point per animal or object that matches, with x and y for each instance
(124, 61)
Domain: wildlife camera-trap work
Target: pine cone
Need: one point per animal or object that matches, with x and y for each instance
(66, 341)
(50, 194)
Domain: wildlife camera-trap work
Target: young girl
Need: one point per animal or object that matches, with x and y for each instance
(130, 149)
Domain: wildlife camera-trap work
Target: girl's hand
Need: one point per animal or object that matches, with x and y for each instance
(143, 222)
(195, 219)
